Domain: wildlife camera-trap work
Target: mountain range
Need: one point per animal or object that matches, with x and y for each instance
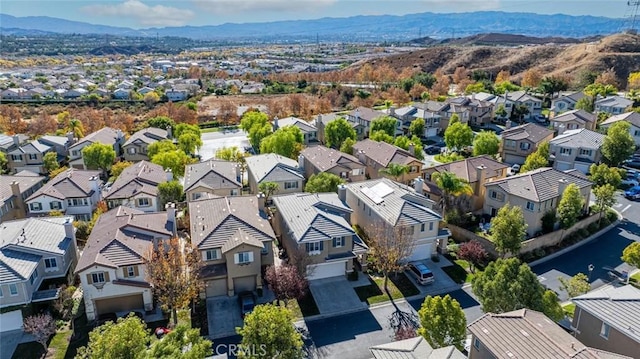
(355, 28)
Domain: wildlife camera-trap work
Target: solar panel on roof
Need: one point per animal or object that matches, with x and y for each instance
(372, 195)
(382, 190)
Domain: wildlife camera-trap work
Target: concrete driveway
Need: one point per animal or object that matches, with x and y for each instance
(224, 316)
(443, 283)
(213, 141)
(335, 295)
(10, 341)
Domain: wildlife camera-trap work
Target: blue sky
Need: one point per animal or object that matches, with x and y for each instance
(149, 13)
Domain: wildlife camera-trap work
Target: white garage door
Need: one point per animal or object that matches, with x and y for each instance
(582, 167)
(562, 166)
(422, 251)
(512, 159)
(432, 132)
(11, 321)
(326, 270)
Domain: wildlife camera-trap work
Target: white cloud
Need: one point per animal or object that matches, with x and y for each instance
(158, 15)
(239, 6)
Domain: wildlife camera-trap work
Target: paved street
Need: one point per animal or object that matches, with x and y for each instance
(212, 141)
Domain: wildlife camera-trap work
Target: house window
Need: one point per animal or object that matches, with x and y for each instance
(234, 192)
(50, 263)
(55, 205)
(565, 151)
(530, 206)
(13, 289)
(211, 255)
(144, 202)
(431, 226)
(97, 277)
(82, 217)
(33, 277)
(16, 158)
(604, 330)
(75, 153)
(76, 202)
(494, 212)
(413, 169)
(585, 152)
(131, 150)
(265, 249)
(496, 195)
(422, 227)
(636, 133)
(290, 184)
(244, 257)
(314, 247)
(196, 195)
(131, 271)
(476, 343)
(35, 206)
(338, 242)
(33, 156)
(525, 146)
(511, 143)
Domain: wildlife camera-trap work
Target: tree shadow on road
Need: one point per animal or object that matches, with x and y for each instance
(404, 324)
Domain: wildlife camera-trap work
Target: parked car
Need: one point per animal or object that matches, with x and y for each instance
(161, 332)
(515, 168)
(630, 181)
(633, 193)
(247, 302)
(432, 150)
(633, 162)
(541, 118)
(422, 273)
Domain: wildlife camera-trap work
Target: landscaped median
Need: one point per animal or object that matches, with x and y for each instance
(399, 286)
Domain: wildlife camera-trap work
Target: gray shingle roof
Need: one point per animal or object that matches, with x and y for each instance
(33, 147)
(324, 158)
(273, 167)
(314, 216)
(467, 168)
(414, 348)
(614, 101)
(72, 183)
(148, 135)
(39, 233)
(538, 185)
(384, 153)
(303, 125)
(106, 135)
(57, 140)
(580, 138)
(527, 334)
(16, 265)
(631, 117)
(581, 116)
(401, 205)
(140, 177)
(530, 131)
(216, 221)
(24, 182)
(212, 174)
(366, 114)
(617, 306)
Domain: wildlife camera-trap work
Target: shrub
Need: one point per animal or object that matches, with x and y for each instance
(548, 222)
(583, 232)
(593, 227)
(539, 252)
(453, 248)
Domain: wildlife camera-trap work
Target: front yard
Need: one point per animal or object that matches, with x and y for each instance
(304, 307)
(459, 271)
(399, 286)
(569, 309)
(62, 345)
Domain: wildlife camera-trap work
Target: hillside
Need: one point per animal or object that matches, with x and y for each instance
(620, 52)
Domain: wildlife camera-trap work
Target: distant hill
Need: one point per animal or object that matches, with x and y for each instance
(501, 40)
(122, 50)
(356, 28)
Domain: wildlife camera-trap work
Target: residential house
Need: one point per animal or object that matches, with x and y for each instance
(112, 268)
(14, 190)
(137, 187)
(480, 112)
(633, 118)
(271, 167)
(121, 94)
(10, 143)
(415, 111)
(378, 156)
(522, 98)
(414, 348)
(446, 110)
(75, 93)
(363, 116)
(60, 144)
(37, 255)
(573, 120)
(565, 102)
(476, 171)
(107, 136)
(136, 147)
(577, 149)
(308, 130)
(526, 334)
(73, 192)
(318, 159)
(391, 205)
(28, 157)
(498, 101)
(14, 94)
(212, 178)
(175, 95)
(324, 119)
(317, 224)
(536, 192)
(519, 142)
(613, 105)
(235, 239)
(145, 90)
(608, 318)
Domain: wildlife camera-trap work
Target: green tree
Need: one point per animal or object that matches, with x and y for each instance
(387, 124)
(3, 163)
(257, 126)
(162, 122)
(405, 143)
(118, 167)
(508, 230)
(175, 160)
(395, 170)
(451, 186)
(631, 254)
(576, 285)
(585, 103)
(570, 206)
(486, 143)
(551, 305)
(337, 131)
(183, 128)
(160, 147)
(416, 128)
(125, 339)
(537, 159)
(347, 146)
(286, 141)
(323, 182)
(170, 191)
(605, 199)
(507, 285)
(76, 127)
(181, 343)
(189, 142)
(598, 89)
(442, 322)
(151, 98)
(50, 161)
(99, 156)
(475, 87)
(505, 86)
(602, 174)
(458, 136)
(55, 173)
(269, 329)
(501, 111)
(268, 189)
(233, 154)
(618, 144)
(381, 136)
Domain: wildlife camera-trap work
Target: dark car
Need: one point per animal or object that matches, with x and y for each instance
(633, 162)
(247, 302)
(432, 150)
(633, 193)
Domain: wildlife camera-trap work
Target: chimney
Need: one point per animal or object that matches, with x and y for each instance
(119, 134)
(473, 96)
(561, 129)
(261, 202)
(275, 123)
(171, 216)
(239, 173)
(94, 184)
(318, 121)
(562, 185)
(69, 230)
(169, 174)
(342, 193)
(70, 139)
(362, 157)
(357, 115)
(412, 149)
(392, 110)
(507, 125)
(169, 132)
(16, 140)
(481, 178)
(19, 203)
(418, 185)
(301, 162)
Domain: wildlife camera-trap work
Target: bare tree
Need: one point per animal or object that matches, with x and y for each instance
(41, 326)
(286, 283)
(389, 247)
(301, 260)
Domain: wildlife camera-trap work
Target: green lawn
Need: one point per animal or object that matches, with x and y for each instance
(569, 309)
(58, 345)
(210, 129)
(399, 286)
(304, 307)
(635, 280)
(459, 271)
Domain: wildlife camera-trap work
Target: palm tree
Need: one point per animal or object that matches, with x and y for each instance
(76, 127)
(395, 170)
(451, 185)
